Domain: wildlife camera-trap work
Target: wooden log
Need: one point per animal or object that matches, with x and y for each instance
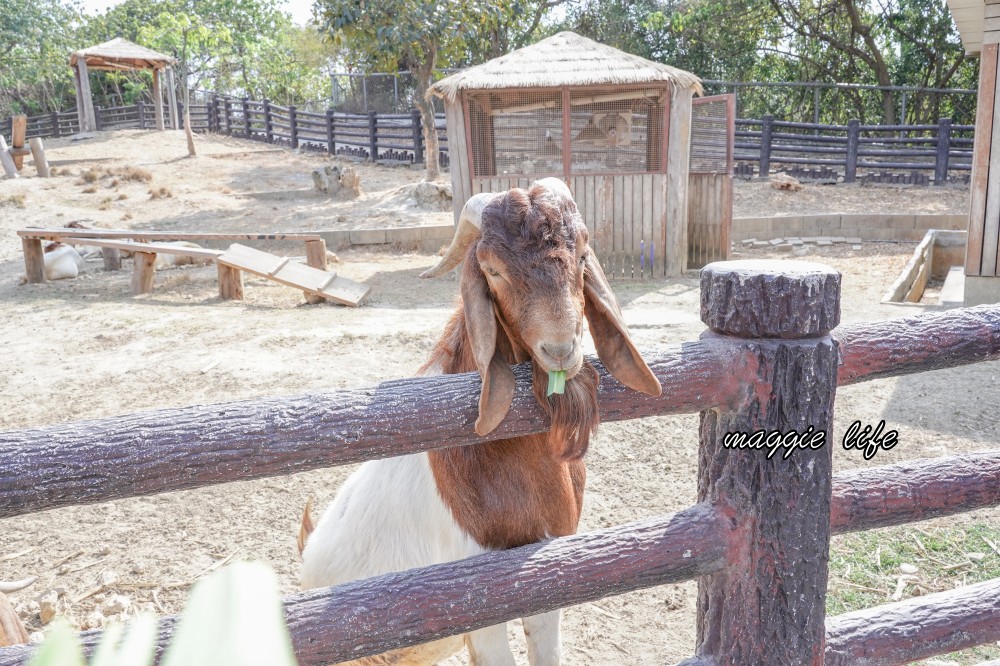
(732, 301)
(143, 272)
(230, 283)
(6, 161)
(315, 257)
(38, 155)
(112, 258)
(125, 234)
(851, 160)
(914, 490)
(366, 617)
(917, 628)
(19, 128)
(175, 122)
(906, 345)
(68, 464)
(34, 259)
(767, 606)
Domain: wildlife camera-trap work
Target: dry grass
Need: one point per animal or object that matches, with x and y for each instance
(91, 175)
(160, 193)
(90, 190)
(127, 216)
(122, 196)
(131, 174)
(15, 200)
(105, 204)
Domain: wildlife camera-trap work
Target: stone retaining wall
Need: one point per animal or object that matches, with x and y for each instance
(866, 227)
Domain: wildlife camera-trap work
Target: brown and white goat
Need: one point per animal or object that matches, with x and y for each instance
(528, 281)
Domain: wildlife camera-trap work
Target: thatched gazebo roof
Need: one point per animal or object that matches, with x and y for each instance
(564, 59)
(121, 54)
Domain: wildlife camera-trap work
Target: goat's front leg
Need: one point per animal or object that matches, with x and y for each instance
(489, 646)
(541, 633)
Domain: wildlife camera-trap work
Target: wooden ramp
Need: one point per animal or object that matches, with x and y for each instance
(326, 284)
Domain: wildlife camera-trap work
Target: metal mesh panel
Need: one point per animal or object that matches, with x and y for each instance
(516, 133)
(710, 135)
(617, 131)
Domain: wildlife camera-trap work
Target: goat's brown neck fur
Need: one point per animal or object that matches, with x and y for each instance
(521, 490)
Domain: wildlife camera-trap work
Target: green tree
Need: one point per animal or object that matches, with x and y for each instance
(415, 35)
(36, 38)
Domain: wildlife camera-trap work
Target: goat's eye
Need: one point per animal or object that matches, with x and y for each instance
(583, 259)
(492, 271)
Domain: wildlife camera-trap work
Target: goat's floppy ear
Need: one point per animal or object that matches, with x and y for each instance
(610, 334)
(481, 325)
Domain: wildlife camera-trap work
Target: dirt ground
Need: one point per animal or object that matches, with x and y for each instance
(84, 348)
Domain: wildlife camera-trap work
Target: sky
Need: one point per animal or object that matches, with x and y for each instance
(301, 10)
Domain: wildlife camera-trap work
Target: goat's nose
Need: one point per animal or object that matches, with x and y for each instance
(558, 351)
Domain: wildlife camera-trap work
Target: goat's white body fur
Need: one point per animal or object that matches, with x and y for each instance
(62, 263)
(389, 516)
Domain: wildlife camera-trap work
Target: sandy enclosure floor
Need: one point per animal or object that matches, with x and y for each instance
(85, 349)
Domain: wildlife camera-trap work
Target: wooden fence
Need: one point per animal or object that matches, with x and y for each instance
(908, 154)
(757, 539)
(394, 138)
(904, 154)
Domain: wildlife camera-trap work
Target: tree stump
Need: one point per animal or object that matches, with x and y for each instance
(112, 259)
(767, 606)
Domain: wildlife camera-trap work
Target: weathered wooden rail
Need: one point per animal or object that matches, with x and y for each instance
(754, 370)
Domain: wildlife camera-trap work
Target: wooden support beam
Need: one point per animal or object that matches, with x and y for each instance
(780, 506)
(87, 99)
(230, 283)
(112, 258)
(143, 272)
(157, 99)
(315, 257)
(38, 155)
(678, 158)
(19, 128)
(6, 161)
(175, 122)
(34, 259)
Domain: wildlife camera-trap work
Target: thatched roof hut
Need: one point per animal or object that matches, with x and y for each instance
(614, 126)
(564, 59)
(118, 55)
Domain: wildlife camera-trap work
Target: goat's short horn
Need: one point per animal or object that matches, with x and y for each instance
(556, 186)
(17, 585)
(469, 223)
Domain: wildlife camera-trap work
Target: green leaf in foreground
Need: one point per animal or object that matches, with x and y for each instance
(60, 648)
(233, 618)
(557, 382)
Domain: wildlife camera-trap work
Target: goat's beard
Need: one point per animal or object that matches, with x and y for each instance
(574, 414)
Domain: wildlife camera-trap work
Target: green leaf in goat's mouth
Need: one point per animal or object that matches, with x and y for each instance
(557, 382)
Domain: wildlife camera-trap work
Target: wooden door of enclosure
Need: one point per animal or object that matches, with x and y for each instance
(626, 217)
(710, 179)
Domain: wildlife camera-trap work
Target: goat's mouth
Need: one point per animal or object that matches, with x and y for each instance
(554, 357)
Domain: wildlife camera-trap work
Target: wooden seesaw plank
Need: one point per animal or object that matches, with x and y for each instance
(293, 274)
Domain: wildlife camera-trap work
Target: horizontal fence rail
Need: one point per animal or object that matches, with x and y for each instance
(902, 154)
(397, 610)
(757, 540)
(189, 447)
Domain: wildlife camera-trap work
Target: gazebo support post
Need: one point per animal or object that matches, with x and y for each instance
(81, 108)
(172, 98)
(678, 155)
(157, 100)
(87, 121)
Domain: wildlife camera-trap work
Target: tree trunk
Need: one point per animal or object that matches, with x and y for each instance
(424, 73)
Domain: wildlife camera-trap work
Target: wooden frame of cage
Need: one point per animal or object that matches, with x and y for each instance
(567, 92)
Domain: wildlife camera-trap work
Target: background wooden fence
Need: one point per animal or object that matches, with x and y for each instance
(904, 154)
(757, 540)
